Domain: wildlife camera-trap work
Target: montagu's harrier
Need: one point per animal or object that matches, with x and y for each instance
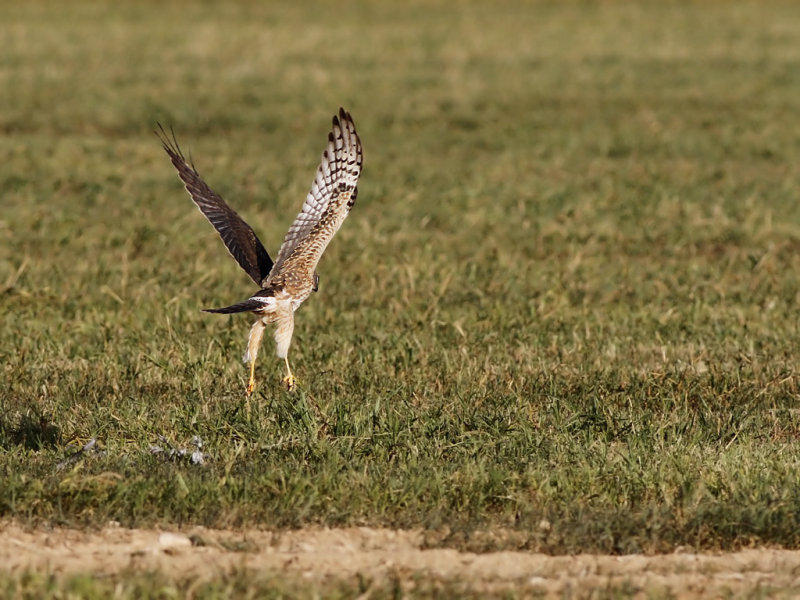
(293, 276)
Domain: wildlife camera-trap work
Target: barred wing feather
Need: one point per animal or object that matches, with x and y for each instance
(332, 195)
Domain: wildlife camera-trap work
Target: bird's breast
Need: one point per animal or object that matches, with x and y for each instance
(293, 297)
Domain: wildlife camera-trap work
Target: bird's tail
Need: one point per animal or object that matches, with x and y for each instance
(246, 306)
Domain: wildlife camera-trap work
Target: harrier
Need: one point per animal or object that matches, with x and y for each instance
(288, 281)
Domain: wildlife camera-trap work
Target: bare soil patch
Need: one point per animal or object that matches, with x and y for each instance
(378, 554)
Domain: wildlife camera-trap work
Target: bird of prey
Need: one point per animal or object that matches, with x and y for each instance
(288, 281)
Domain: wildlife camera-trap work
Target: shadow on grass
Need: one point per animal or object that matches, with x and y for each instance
(33, 432)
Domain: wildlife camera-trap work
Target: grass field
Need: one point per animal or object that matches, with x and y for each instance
(564, 307)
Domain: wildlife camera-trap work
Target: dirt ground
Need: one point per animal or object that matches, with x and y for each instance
(379, 553)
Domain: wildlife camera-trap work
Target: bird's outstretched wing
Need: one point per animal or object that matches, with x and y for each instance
(238, 236)
(332, 195)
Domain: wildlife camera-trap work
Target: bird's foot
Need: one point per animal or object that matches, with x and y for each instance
(290, 381)
(251, 385)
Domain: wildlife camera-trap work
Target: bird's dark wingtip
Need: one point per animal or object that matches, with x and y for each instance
(344, 116)
(169, 141)
(162, 136)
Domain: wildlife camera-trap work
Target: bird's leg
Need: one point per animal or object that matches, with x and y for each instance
(290, 379)
(256, 333)
(283, 338)
(251, 383)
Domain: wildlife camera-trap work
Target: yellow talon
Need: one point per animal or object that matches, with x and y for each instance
(251, 384)
(289, 381)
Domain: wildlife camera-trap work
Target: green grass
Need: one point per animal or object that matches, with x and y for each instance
(156, 586)
(568, 291)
